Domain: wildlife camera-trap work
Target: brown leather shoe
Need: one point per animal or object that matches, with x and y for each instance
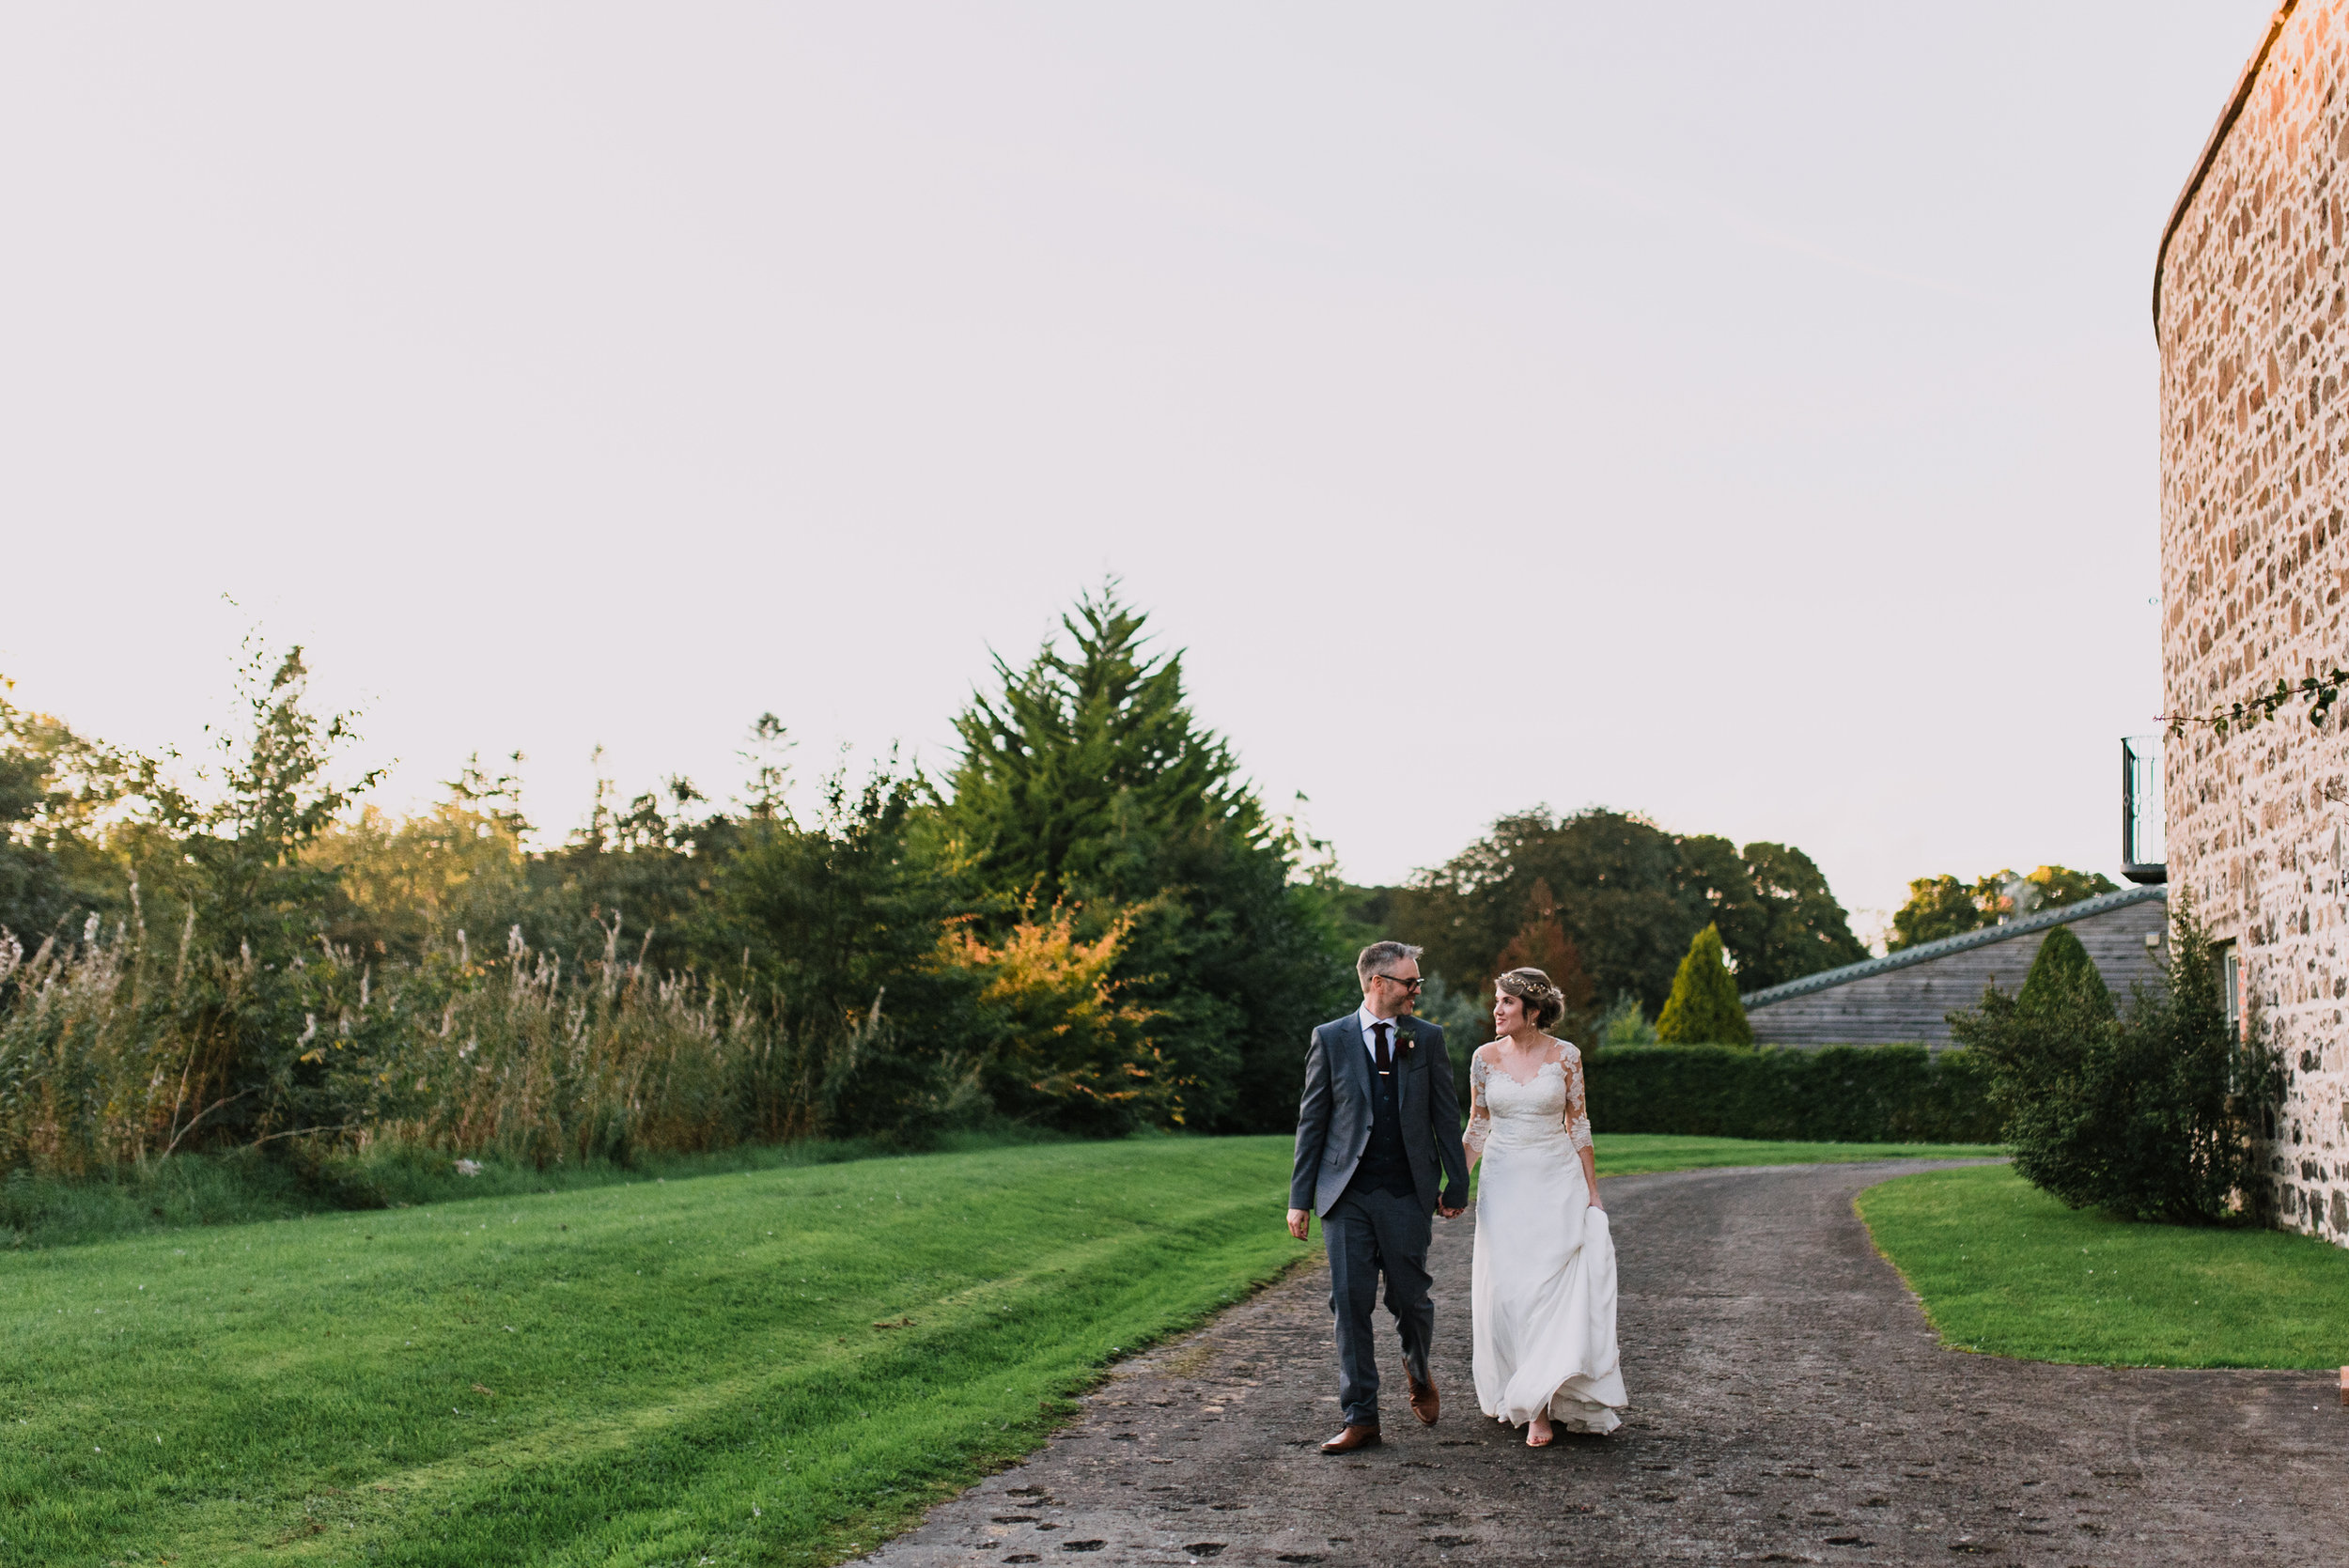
(1353, 1438)
(1424, 1404)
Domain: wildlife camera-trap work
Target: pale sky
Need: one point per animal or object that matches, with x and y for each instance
(1742, 415)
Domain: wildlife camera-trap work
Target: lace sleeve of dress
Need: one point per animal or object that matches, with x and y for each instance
(1480, 1119)
(1578, 1105)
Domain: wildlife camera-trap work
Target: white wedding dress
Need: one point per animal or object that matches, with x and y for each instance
(1545, 1273)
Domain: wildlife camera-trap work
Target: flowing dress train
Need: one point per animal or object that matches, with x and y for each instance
(1544, 1291)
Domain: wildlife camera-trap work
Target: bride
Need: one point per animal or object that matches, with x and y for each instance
(1545, 1273)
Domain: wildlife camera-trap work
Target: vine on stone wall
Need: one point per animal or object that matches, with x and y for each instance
(2321, 692)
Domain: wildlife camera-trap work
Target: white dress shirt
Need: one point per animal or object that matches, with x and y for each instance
(1370, 1041)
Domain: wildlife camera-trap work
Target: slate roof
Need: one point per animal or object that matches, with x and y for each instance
(1924, 953)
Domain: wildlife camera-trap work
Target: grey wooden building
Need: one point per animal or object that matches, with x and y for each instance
(1907, 995)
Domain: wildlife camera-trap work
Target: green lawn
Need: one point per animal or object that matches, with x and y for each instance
(2004, 1269)
(777, 1365)
(651, 1373)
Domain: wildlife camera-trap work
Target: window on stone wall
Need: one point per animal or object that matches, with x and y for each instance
(2230, 986)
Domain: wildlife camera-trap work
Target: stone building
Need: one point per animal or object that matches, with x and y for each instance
(1906, 996)
(2252, 315)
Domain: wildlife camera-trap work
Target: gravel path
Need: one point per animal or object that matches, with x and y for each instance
(1789, 1405)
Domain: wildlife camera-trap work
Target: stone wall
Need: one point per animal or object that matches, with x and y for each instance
(2250, 315)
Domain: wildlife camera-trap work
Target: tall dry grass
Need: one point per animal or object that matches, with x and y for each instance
(114, 1051)
(525, 1060)
(119, 1050)
(107, 1054)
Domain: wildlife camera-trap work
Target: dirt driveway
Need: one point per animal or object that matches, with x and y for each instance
(1790, 1406)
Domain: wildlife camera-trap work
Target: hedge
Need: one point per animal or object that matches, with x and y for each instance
(1838, 1093)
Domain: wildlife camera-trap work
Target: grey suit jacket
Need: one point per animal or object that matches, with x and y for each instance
(1333, 1118)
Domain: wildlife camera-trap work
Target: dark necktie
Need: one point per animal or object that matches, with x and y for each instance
(1386, 1062)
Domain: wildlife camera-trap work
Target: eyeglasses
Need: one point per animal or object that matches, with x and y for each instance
(1412, 984)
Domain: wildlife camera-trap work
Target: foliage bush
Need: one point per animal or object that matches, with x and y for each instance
(1075, 1052)
(1893, 1093)
(2156, 1112)
(1703, 1008)
(1626, 1024)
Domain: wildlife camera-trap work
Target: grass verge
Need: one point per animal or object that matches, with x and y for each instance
(777, 1366)
(2004, 1269)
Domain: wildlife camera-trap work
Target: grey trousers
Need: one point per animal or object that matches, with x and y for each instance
(1368, 1234)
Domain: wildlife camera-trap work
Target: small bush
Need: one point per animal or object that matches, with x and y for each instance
(1841, 1094)
(2061, 968)
(1626, 1024)
(2155, 1114)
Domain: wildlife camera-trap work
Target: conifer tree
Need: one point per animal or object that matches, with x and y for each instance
(2062, 969)
(1703, 1008)
(1087, 781)
(1086, 770)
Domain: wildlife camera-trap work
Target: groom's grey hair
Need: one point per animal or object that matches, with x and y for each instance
(1377, 956)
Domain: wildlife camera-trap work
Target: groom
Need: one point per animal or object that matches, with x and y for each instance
(1378, 1117)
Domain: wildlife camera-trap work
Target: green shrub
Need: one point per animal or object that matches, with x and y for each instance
(2063, 967)
(2155, 1114)
(1703, 1008)
(1840, 1093)
(1626, 1024)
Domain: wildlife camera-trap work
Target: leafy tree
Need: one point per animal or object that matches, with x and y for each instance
(411, 884)
(1806, 930)
(1703, 1008)
(1777, 917)
(57, 793)
(1938, 906)
(1943, 907)
(1085, 781)
(33, 896)
(838, 926)
(1617, 898)
(233, 848)
(652, 866)
(1629, 896)
(2055, 886)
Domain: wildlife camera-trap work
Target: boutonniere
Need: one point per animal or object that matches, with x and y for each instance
(1404, 1036)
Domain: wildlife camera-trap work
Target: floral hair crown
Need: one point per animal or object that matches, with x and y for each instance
(1531, 986)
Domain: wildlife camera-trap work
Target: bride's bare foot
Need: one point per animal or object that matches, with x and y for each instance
(1537, 1432)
